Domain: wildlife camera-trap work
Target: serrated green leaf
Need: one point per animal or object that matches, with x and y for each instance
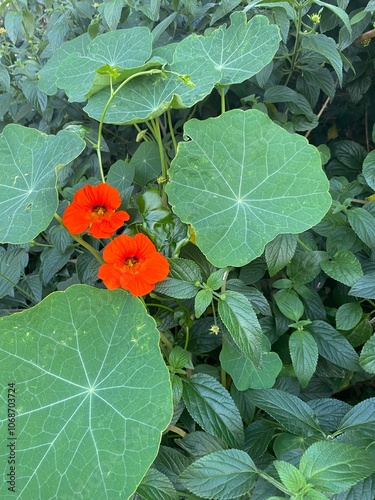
(280, 251)
(296, 102)
(304, 353)
(344, 267)
(333, 346)
(334, 467)
(221, 475)
(13, 25)
(28, 164)
(112, 12)
(325, 46)
(178, 358)
(348, 315)
(202, 301)
(256, 298)
(52, 260)
(12, 263)
(258, 436)
(155, 486)
(290, 476)
(182, 281)
(369, 169)
(198, 444)
(244, 373)
(95, 356)
(232, 182)
(291, 412)
(289, 304)
(329, 412)
(367, 356)
(240, 319)
(338, 11)
(365, 287)
(363, 224)
(360, 417)
(305, 266)
(215, 280)
(212, 407)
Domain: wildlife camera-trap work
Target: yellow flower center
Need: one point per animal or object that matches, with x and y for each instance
(99, 211)
(131, 261)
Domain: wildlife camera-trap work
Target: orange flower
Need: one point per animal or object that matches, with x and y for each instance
(133, 264)
(93, 210)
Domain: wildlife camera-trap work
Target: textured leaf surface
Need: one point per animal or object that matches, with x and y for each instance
(367, 356)
(344, 267)
(291, 412)
(348, 315)
(212, 407)
(221, 475)
(28, 162)
(304, 354)
(240, 180)
(365, 287)
(279, 252)
(334, 467)
(240, 319)
(93, 393)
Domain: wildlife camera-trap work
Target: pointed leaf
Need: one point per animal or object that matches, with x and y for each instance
(291, 412)
(360, 418)
(348, 315)
(28, 163)
(221, 475)
(365, 287)
(212, 407)
(93, 393)
(155, 486)
(289, 304)
(240, 180)
(240, 319)
(304, 353)
(334, 467)
(344, 267)
(279, 252)
(325, 46)
(363, 224)
(333, 346)
(367, 356)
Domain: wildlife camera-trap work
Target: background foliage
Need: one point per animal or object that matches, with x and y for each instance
(267, 314)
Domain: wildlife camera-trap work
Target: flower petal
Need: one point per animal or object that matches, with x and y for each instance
(118, 250)
(110, 276)
(156, 268)
(75, 220)
(135, 284)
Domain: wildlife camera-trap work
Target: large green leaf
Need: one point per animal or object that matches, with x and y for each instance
(240, 180)
(28, 163)
(117, 54)
(237, 52)
(92, 394)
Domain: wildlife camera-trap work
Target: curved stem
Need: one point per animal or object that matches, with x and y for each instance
(111, 97)
(166, 341)
(222, 96)
(296, 43)
(302, 244)
(155, 128)
(187, 337)
(82, 242)
(171, 131)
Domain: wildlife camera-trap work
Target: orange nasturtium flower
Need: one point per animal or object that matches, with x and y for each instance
(93, 210)
(133, 264)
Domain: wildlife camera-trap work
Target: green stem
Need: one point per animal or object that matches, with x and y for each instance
(149, 304)
(171, 131)
(82, 242)
(296, 43)
(302, 244)
(166, 341)
(111, 97)
(187, 337)
(20, 289)
(155, 128)
(276, 483)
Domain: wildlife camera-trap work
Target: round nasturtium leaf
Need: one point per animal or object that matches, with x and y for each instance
(92, 394)
(240, 180)
(28, 163)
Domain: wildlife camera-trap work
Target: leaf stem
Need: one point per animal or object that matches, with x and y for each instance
(302, 244)
(171, 131)
(296, 43)
(165, 341)
(111, 97)
(155, 129)
(82, 242)
(222, 95)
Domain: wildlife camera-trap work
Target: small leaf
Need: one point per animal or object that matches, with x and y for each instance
(369, 169)
(365, 287)
(221, 475)
(367, 356)
(202, 300)
(325, 46)
(348, 315)
(279, 252)
(333, 346)
(289, 304)
(363, 224)
(155, 486)
(334, 467)
(290, 476)
(291, 412)
(182, 281)
(215, 280)
(360, 418)
(178, 358)
(212, 407)
(305, 266)
(199, 443)
(304, 353)
(240, 319)
(344, 267)
(112, 12)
